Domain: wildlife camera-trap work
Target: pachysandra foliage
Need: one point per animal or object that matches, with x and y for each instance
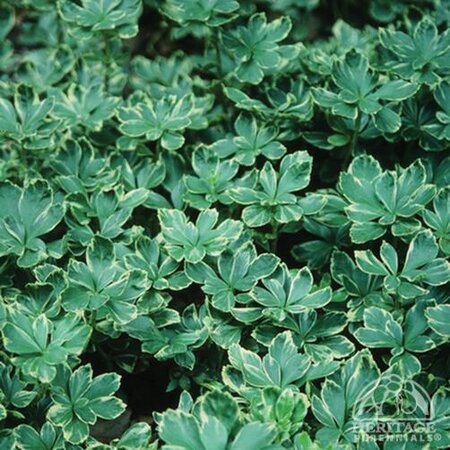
(224, 224)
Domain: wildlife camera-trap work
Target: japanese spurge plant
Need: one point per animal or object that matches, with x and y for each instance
(224, 225)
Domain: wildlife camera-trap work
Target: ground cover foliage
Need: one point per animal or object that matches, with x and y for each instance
(221, 221)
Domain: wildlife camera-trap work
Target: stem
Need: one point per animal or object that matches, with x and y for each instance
(353, 141)
(218, 55)
(5, 357)
(107, 54)
(23, 157)
(42, 390)
(274, 243)
(263, 245)
(93, 319)
(106, 49)
(355, 136)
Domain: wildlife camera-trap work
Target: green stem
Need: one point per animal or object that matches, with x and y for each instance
(353, 142)
(263, 245)
(274, 242)
(106, 49)
(42, 390)
(93, 319)
(23, 157)
(355, 136)
(5, 357)
(218, 55)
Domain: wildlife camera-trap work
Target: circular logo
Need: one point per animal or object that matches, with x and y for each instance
(392, 408)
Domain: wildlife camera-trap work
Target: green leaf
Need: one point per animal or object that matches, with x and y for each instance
(251, 141)
(88, 106)
(387, 120)
(8, 117)
(397, 90)
(334, 407)
(439, 319)
(418, 55)
(379, 200)
(282, 366)
(184, 240)
(212, 179)
(289, 292)
(101, 285)
(79, 399)
(41, 345)
(368, 263)
(253, 436)
(380, 330)
(197, 17)
(13, 391)
(137, 436)
(26, 215)
(255, 47)
(415, 328)
(181, 430)
(163, 120)
(91, 16)
(211, 426)
(273, 198)
(30, 439)
(439, 219)
(422, 263)
(234, 274)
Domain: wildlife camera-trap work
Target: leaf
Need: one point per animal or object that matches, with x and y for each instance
(253, 436)
(184, 240)
(333, 408)
(439, 219)
(289, 292)
(79, 399)
(397, 90)
(212, 178)
(255, 46)
(101, 285)
(164, 120)
(13, 391)
(26, 215)
(418, 54)
(137, 436)
(379, 200)
(380, 330)
(8, 118)
(42, 345)
(423, 248)
(91, 16)
(273, 198)
(438, 319)
(281, 367)
(197, 17)
(234, 274)
(416, 338)
(88, 106)
(368, 263)
(209, 426)
(387, 120)
(251, 141)
(30, 439)
(223, 406)
(421, 259)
